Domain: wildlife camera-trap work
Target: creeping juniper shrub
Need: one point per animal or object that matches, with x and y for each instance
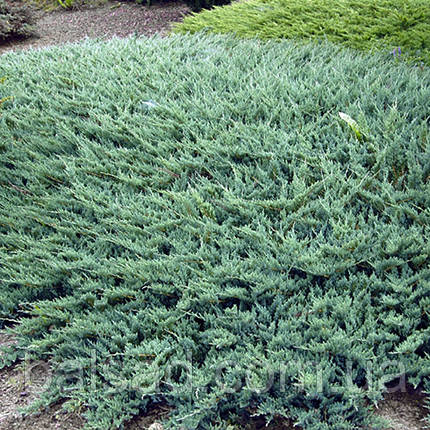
(175, 229)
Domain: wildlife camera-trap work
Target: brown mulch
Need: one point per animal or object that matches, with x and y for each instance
(111, 19)
(404, 410)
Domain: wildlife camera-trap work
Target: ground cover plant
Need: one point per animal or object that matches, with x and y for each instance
(230, 227)
(398, 26)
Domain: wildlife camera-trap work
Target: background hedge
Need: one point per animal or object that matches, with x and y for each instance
(16, 19)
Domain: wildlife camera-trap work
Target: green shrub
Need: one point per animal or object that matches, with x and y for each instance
(242, 206)
(198, 5)
(16, 19)
(359, 24)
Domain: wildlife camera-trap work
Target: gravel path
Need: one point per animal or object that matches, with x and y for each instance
(112, 19)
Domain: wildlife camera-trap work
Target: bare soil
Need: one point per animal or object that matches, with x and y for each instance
(108, 20)
(404, 411)
(19, 387)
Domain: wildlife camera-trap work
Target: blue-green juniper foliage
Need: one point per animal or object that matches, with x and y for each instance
(201, 200)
